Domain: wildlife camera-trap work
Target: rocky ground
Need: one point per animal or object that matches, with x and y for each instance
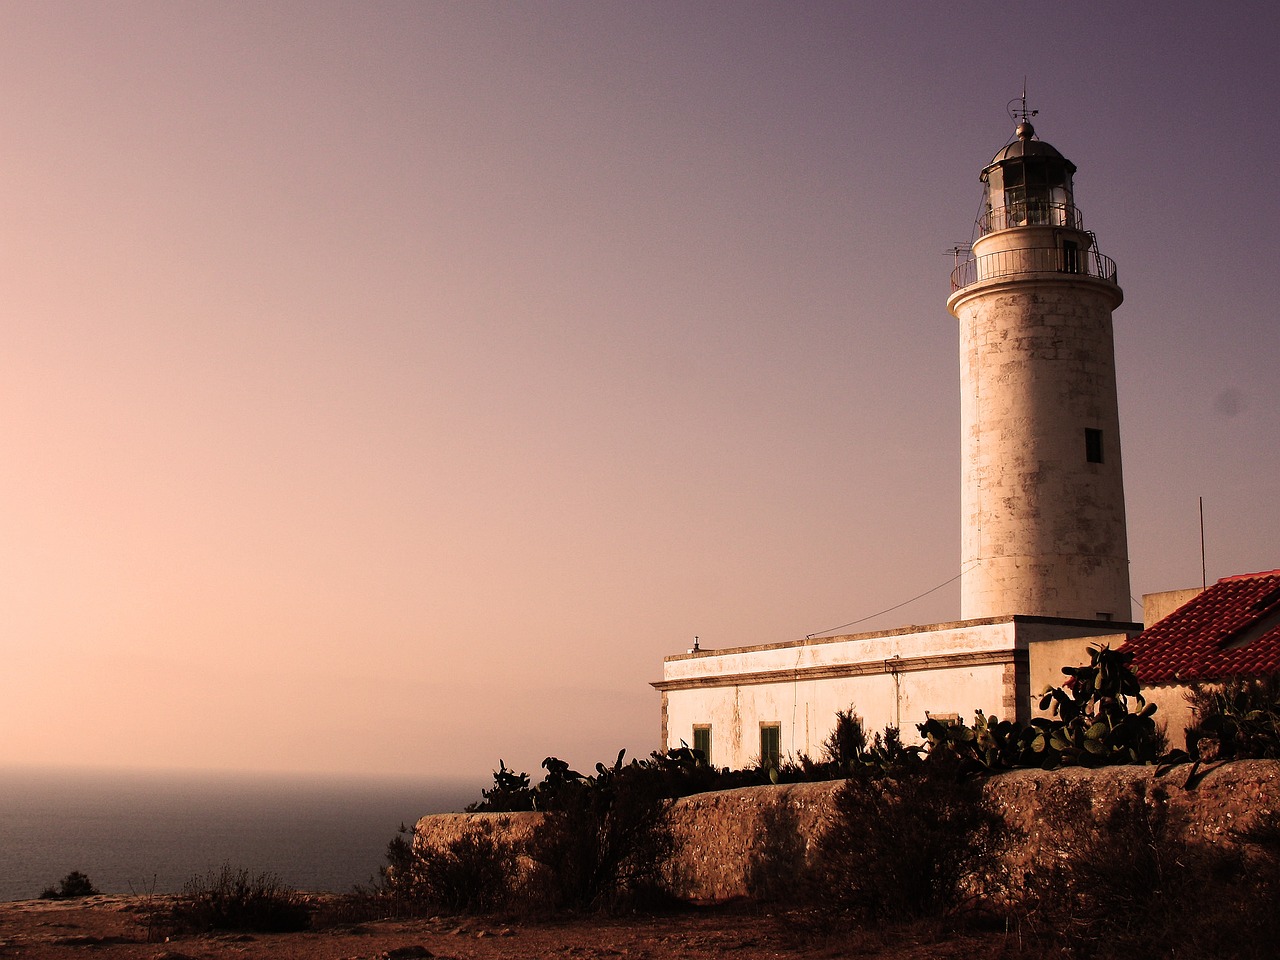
(117, 927)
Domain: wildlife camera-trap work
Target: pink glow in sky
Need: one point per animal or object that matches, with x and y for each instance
(388, 387)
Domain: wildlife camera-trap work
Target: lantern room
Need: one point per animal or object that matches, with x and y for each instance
(1028, 183)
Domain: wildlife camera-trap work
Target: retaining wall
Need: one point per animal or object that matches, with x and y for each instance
(731, 843)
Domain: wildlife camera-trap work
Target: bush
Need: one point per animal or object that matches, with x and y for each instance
(510, 793)
(911, 843)
(603, 844)
(847, 743)
(678, 772)
(778, 861)
(1239, 720)
(74, 884)
(471, 874)
(1092, 725)
(1136, 884)
(233, 899)
(1120, 883)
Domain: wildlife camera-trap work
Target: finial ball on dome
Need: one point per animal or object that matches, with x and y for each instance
(1025, 130)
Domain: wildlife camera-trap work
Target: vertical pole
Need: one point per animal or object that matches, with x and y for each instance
(1204, 580)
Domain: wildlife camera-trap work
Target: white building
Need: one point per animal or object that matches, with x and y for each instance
(1044, 550)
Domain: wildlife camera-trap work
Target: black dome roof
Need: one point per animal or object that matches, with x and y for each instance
(1026, 145)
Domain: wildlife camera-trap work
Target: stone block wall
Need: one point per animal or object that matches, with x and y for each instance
(742, 843)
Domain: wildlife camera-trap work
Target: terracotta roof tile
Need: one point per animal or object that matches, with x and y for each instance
(1232, 629)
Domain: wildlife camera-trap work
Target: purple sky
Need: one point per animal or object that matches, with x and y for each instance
(388, 387)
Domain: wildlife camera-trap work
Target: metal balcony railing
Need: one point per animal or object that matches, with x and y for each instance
(1030, 213)
(1029, 260)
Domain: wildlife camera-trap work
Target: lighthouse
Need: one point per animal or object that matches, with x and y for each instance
(1042, 495)
(1045, 556)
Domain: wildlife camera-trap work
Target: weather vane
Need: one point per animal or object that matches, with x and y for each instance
(1021, 114)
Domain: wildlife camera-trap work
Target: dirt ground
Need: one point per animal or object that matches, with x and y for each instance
(111, 927)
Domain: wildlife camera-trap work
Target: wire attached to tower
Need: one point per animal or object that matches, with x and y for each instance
(854, 623)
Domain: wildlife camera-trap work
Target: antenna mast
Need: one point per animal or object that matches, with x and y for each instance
(1204, 578)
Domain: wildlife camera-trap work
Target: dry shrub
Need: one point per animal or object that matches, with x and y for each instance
(778, 863)
(603, 846)
(234, 899)
(74, 884)
(1138, 885)
(469, 874)
(916, 842)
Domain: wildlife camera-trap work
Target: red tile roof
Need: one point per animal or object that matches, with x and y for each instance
(1232, 629)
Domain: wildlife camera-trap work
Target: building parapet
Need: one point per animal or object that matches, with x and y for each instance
(965, 643)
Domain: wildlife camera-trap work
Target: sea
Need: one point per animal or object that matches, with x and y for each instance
(152, 832)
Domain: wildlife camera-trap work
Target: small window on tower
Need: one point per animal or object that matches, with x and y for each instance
(1093, 445)
(702, 741)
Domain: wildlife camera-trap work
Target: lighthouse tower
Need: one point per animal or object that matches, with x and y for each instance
(1043, 523)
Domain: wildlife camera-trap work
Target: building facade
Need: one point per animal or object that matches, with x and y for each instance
(744, 705)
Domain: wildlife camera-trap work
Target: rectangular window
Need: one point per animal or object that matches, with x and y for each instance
(702, 740)
(1093, 445)
(1070, 256)
(770, 744)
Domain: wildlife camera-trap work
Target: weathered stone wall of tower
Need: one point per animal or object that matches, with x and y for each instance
(1043, 527)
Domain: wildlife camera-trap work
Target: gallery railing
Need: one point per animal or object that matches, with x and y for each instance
(1028, 260)
(1030, 213)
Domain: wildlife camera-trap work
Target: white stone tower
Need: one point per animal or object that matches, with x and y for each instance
(1042, 495)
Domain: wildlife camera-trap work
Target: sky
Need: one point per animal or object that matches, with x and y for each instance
(386, 388)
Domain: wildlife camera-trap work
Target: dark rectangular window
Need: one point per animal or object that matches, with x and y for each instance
(770, 744)
(702, 740)
(1070, 256)
(1092, 445)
